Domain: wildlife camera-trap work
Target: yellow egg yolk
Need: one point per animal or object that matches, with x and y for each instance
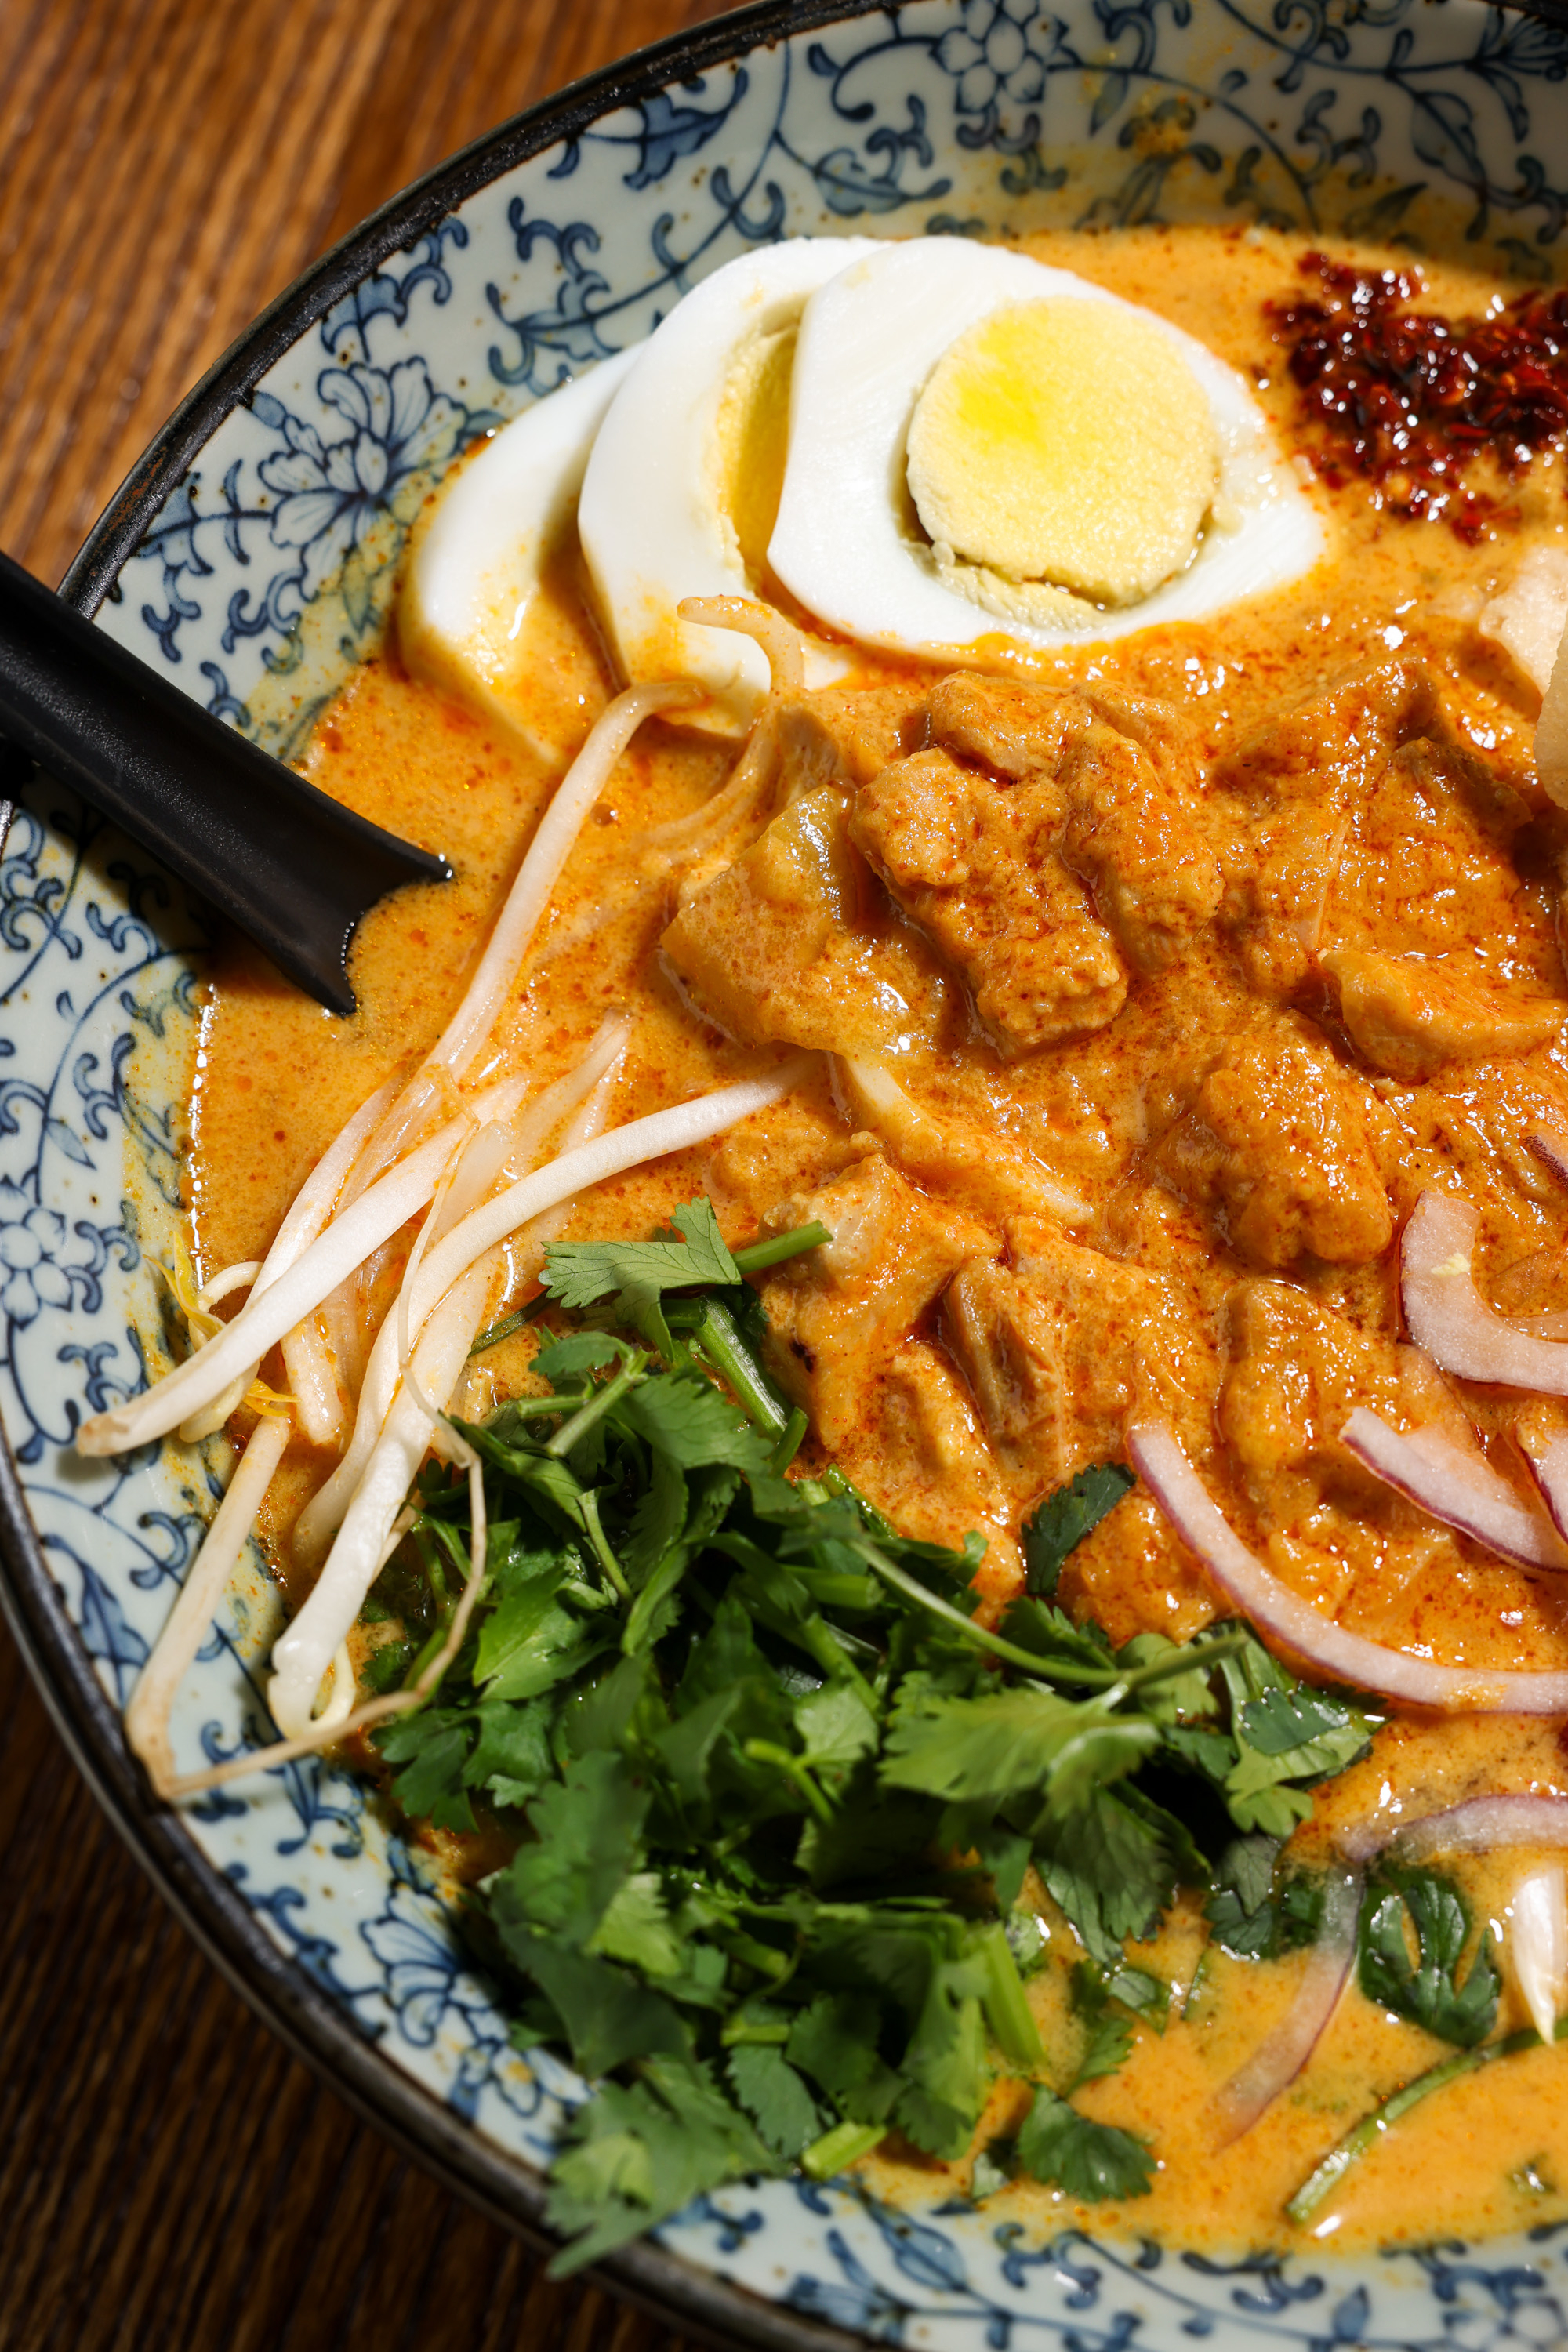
(750, 441)
(1066, 441)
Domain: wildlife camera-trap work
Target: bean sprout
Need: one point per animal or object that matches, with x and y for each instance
(324, 1733)
(457, 1264)
(780, 642)
(147, 1717)
(324, 1515)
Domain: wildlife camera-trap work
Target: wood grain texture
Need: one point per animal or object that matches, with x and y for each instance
(170, 2179)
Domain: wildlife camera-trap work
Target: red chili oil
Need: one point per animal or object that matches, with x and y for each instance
(1408, 398)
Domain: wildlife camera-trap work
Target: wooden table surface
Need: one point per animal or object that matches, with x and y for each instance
(169, 2176)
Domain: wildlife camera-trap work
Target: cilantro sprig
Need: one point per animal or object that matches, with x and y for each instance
(1422, 1907)
(1060, 1522)
(629, 1279)
(776, 1782)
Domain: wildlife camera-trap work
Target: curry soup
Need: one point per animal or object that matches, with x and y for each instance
(1148, 1153)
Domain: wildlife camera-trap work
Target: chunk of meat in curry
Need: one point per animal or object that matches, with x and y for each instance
(1309, 976)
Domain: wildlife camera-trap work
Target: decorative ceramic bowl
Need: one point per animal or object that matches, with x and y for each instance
(252, 556)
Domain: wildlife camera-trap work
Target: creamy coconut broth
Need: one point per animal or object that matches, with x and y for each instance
(1186, 1211)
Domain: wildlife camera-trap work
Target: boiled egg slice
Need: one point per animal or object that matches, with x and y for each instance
(980, 447)
(476, 576)
(679, 495)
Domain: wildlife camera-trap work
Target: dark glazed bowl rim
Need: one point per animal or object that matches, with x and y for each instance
(700, 2304)
(692, 2301)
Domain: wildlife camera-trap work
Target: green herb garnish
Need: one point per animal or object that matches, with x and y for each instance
(777, 1785)
(1402, 1905)
(1064, 1519)
(1091, 2160)
(1315, 2191)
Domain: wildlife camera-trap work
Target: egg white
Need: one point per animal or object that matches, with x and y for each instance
(649, 520)
(845, 544)
(477, 565)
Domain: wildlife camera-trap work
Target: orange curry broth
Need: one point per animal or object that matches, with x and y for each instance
(277, 1077)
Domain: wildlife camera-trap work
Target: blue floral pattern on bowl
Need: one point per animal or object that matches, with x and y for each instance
(267, 574)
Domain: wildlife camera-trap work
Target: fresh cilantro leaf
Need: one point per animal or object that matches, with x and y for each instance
(1107, 2045)
(512, 1758)
(683, 1415)
(526, 1606)
(775, 2097)
(1004, 1852)
(935, 2125)
(1181, 1698)
(586, 1829)
(551, 1485)
(1106, 2002)
(608, 2015)
(943, 2063)
(726, 1656)
(836, 1725)
(1090, 2161)
(1327, 1737)
(1147, 1996)
(1241, 1917)
(577, 1353)
(1252, 1669)
(637, 1927)
(1064, 1519)
(830, 1523)
(1240, 1932)
(1112, 1871)
(1277, 1722)
(1211, 1753)
(513, 1558)
(1020, 1740)
(1284, 1735)
(658, 1522)
(635, 2154)
(1429, 1993)
(658, 1605)
(1262, 1799)
(530, 1643)
(599, 1714)
(432, 1745)
(633, 1275)
(1300, 1913)
(1247, 1866)
(835, 2041)
(686, 1746)
(1105, 1746)
(710, 1492)
(1070, 1651)
(701, 1981)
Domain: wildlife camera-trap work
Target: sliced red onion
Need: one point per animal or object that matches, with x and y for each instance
(1480, 1825)
(1538, 1945)
(1551, 1148)
(1336, 1652)
(1550, 1472)
(1281, 2055)
(1456, 1487)
(1449, 1316)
